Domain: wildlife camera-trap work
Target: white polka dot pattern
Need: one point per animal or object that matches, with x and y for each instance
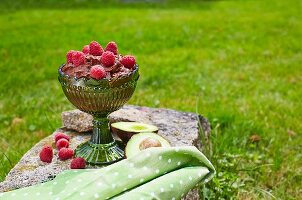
(160, 173)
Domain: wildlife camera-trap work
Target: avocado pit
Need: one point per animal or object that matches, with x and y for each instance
(149, 142)
(142, 141)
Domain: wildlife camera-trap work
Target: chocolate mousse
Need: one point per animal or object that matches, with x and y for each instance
(79, 63)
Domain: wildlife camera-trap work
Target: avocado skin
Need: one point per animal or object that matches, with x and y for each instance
(126, 135)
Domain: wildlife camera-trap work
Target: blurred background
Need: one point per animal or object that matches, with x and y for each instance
(236, 62)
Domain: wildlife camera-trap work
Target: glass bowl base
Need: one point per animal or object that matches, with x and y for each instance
(100, 154)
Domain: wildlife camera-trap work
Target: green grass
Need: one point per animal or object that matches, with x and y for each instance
(236, 62)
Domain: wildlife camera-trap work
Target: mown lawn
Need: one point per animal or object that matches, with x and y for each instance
(236, 62)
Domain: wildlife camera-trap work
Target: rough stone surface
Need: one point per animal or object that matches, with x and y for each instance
(77, 120)
(179, 128)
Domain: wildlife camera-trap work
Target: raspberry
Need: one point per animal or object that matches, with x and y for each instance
(97, 72)
(85, 49)
(78, 58)
(65, 153)
(78, 163)
(111, 46)
(95, 48)
(60, 135)
(108, 58)
(46, 154)
(128, 61)
(69, 56)
(62, 143)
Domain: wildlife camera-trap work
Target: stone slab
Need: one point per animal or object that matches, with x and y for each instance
(179, 128)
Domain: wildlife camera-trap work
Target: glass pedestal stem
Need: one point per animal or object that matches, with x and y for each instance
(101, 149)
(101, 133)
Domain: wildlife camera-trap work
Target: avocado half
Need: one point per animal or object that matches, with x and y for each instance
(125, 130)
(143, 141)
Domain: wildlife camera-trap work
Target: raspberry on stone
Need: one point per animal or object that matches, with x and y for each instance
(128, 61)
(62, 143)
(95, 48)
(69, 56)
(85, 49)
(60, 135)
(111, 46)
(78, 163)
(46, 154)
(97, 72)
(65, 153)
(108, 58)
(78, 58)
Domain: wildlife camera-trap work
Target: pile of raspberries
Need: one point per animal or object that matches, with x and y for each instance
(64, 152)
(102, 62)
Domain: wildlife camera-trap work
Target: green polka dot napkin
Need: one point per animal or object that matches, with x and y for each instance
(155, 173)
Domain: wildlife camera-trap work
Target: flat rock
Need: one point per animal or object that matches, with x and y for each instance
(179, 128)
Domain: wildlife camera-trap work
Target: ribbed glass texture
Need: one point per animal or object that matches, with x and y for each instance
(99, 98)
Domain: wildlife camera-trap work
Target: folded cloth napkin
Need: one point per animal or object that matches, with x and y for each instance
(154, 173)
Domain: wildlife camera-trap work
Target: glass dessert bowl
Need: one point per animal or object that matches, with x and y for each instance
(99, 98)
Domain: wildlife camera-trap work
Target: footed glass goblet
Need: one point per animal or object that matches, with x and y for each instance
(99, 98)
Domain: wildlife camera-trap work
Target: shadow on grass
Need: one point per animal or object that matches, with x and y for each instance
(7, 6)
